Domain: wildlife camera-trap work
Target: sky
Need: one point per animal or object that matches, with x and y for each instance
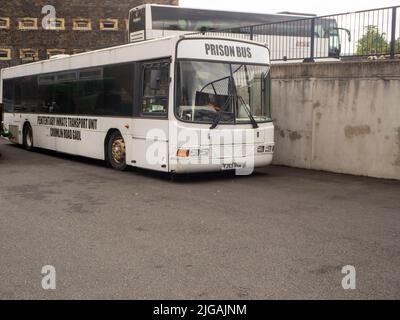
(319, 7)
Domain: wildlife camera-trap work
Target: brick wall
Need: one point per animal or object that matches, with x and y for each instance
(69, 40)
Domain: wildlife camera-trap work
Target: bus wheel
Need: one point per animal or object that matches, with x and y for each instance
(116, 151)
(28, 137)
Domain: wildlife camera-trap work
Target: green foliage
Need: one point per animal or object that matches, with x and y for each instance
(373, 42)
(397, 46)
(5, 134)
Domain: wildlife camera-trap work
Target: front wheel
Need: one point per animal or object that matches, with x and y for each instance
(28, 138)
(116, 151)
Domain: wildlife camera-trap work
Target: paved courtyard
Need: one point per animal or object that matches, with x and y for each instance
(281, 233)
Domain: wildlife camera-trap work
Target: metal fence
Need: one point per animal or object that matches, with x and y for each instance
(369, 33)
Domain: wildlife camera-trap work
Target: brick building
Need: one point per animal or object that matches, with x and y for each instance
(78, 26)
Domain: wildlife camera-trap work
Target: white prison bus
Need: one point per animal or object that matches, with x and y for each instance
(178, 104)
(285, 40)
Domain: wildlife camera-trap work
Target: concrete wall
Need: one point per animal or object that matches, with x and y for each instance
(341, 117)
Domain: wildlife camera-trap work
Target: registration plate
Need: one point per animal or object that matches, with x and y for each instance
(232, 166)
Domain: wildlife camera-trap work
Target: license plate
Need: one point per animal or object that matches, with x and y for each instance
(232, 166)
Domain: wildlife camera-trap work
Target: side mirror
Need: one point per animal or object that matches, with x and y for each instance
(348, 32)
(155, 79)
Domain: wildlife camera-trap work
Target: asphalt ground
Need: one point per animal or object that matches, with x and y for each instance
(281, 233)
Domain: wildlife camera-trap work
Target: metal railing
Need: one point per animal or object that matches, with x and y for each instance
(369, 33)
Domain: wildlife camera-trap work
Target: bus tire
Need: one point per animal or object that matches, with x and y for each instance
(27, 137)
(116, 151)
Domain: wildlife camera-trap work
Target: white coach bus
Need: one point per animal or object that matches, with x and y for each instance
(178, 104)
(287, 35)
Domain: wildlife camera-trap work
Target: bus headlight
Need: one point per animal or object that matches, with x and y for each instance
(261, 149)
(197, 153)
(192, 153)
(204, 153)
(183, 153)
(266, 149)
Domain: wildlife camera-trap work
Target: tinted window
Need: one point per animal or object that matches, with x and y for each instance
(8, 95)
(184, 19)
(104, 91)
(29, 94)
(165, 18)
(17, 94)
(89, 95)
(118, 90)
(63, 98)
(45, 104)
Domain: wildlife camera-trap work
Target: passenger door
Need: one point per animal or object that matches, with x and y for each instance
(150, 129)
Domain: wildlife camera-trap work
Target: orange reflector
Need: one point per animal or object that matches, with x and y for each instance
(183, 153)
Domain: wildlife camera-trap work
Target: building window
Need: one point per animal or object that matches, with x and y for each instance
(27, 24)
(54, 52)
(77, 51)
(5, 54)
(81, 24)
(4, 23)
(56, 24)
(28, 55)
(109, 24)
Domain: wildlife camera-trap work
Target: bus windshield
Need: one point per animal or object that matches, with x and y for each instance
(231, 93)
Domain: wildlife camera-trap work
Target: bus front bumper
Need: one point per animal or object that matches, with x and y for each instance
(242, 165)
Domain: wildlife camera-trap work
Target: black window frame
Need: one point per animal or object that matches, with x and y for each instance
(141, 70)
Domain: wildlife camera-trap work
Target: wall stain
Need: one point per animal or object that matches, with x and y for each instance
(397, 162)
(316, 105)
(294, 135)
(280, 131)
(356, 131)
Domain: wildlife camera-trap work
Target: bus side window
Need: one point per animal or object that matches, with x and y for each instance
(8, 95)
(155, 89)
(17, 95)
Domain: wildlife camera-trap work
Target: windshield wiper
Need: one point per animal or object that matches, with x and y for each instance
(220, 112)
(252, 120)
(227, 102)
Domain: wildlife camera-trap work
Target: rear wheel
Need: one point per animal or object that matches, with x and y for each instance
(28, 137)
(116, 151)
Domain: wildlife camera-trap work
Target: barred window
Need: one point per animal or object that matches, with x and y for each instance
(4, 23)
(5, 54)
(29, 55)
(56, 24)
(27, 24)
(109, 24)
(81, 24)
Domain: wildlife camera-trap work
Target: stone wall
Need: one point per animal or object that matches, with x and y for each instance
(342, 117)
